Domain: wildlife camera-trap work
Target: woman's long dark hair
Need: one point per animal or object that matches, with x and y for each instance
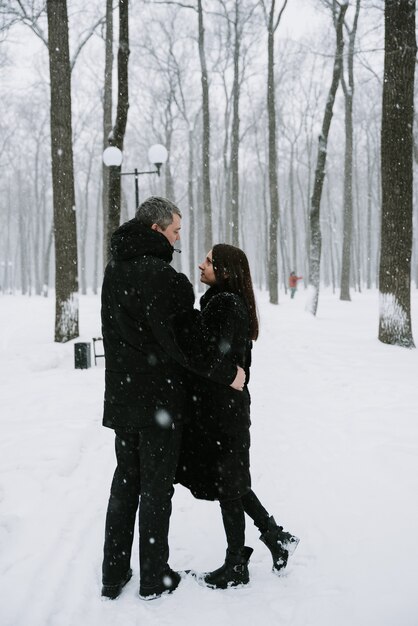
(232, 273)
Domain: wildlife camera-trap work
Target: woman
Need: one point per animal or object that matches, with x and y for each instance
(214, 462)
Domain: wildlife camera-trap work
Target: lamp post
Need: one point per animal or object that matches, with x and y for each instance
(157, 155)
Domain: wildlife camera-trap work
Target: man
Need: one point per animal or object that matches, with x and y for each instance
(145, 392)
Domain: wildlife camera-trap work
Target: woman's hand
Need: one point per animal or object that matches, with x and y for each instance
(239, 380)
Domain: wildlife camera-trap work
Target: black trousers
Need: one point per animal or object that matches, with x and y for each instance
(234, 519)
(146, 467)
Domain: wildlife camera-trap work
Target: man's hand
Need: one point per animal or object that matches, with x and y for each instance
(239, 380)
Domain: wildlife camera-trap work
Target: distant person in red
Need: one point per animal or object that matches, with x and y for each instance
(293, 283)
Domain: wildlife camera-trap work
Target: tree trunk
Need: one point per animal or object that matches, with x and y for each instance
(82, 225)
(84, 220)
(107, 121)
(369, 219)
(6, 285)
(47, 262)
(65, 229)
(207, 204)
(46, 230)
(226, 222)
(273, 274)
(315, 240)
(348, 162)
(118, 132)
(293, 226)
(37, 242)
(96, 242)
(190, 197)
(397, 176)
(235, 134)
(348, 197)
(24, 286)
(169, 182)
(331, 238)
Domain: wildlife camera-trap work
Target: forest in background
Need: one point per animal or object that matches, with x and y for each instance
(165, 106)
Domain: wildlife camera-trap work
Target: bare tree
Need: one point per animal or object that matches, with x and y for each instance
(272, 23)
(166, 99)
(83, 216)
(190, 121)
(207, 202)
(235, 127)
(107, 119)
(66, 280)
(23, 237)
(292, 133)
(64, 228)
(397, 177)
(315, 241)
(348, 88)
(233, 54)
(206, 177)
(32, 12)
(117, 134)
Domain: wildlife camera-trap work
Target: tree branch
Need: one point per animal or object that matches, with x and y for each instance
(179, 4)
(279, 17)
(83, 42)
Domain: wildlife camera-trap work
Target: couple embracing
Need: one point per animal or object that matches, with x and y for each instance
(176, 395)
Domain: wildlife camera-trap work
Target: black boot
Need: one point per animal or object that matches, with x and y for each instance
(113, 591)
(280, 543)
(232, 573)
(170, 580)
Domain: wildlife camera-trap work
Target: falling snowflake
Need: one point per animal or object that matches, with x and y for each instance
(163, 418)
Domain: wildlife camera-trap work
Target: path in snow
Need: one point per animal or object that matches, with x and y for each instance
(334, 457)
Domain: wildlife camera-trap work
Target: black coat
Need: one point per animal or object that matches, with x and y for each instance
(145, 368)
(214, 460)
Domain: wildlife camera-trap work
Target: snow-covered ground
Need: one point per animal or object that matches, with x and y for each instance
(334, 458)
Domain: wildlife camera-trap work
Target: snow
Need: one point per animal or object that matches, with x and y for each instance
(68, 312)
(334, 459)
(394, 316)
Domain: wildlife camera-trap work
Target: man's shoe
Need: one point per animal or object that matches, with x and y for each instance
(169, 583)
(280, 543)
(233, 573)
(113, 591)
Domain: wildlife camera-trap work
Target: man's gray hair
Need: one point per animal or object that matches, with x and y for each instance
(156, 210)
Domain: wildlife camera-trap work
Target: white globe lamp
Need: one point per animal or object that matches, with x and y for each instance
(112, 156)
(157, 155)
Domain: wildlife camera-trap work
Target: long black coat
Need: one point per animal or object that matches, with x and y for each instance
(145, 368)
(214, 459)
